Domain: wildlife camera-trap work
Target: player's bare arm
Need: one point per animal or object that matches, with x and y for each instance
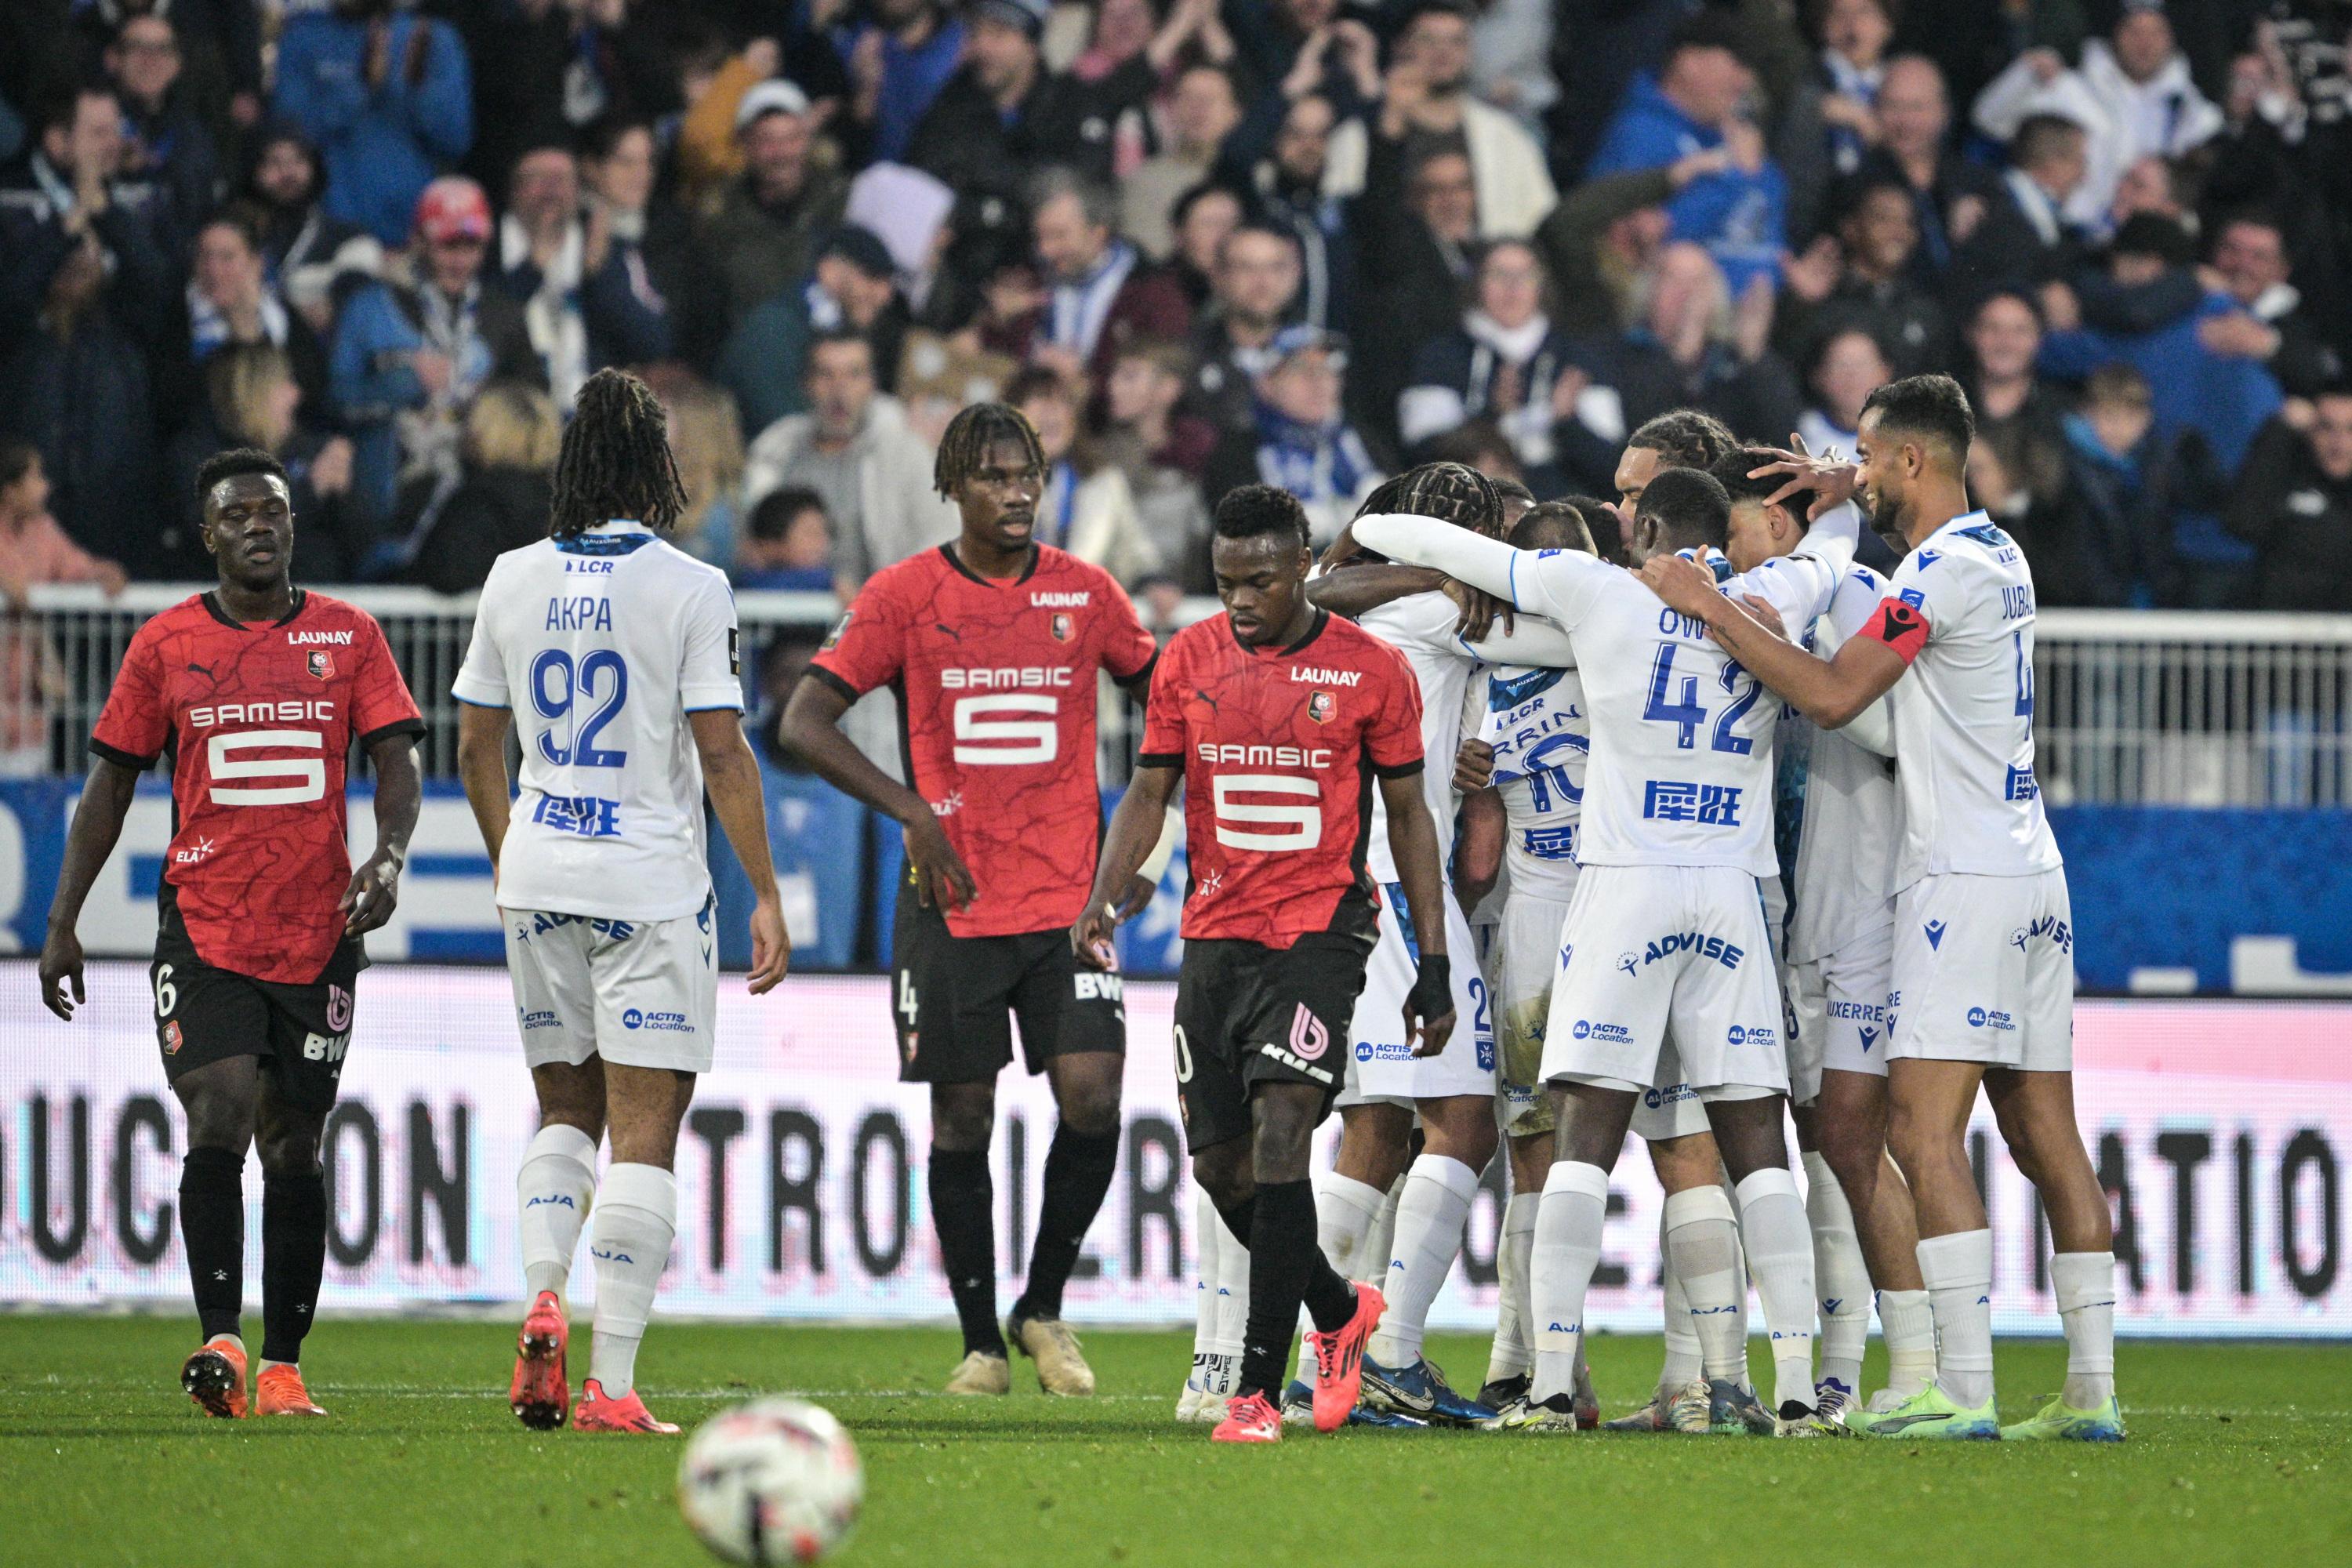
(1829, 693)
(1830, 478)
(732, 775)
(1412, 838)
(1478, 856)
(812, 732)
(374, 891)
(97, 824)
(1135, 827)
(482, 765)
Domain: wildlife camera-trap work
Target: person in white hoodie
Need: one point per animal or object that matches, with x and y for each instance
(2132, 94)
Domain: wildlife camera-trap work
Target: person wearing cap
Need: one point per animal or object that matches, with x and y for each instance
(1004, 113)
(387, 98)
(1300, 440)
(311, 258)
(763, 237)
(408, 356)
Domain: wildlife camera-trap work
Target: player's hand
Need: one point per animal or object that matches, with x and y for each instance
(1473, 765)
(942, 881)
(1139, 899)
(771, 947)
(1091, 938)
(373, 894)
(61, 970)
(1429, 1007)
(1830, 478)
(1684, 585)
(1479, 611)
(1761, 612)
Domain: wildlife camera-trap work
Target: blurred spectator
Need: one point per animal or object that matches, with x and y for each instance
(763, 237)
(1163, 452)
(1306, 48)
(252, 396)
(1203, 109)
(1510, 59)
(787, 544)
(900, 54)
(2133, 96)
(312, 259)
(231, 301)
(407, 357)
(1507, 365)
(88, 298)
(1420, 221)
(2128, 481)
(2024, 236)
(1847, 367)
(1426, 105)
(1949, 194)
(1864, 279)
(648, 237)
(1694, 103)
(1289, 188)
(505, 487)
(856, 289)
(33, 550)
(1256, 284)
(1200, 219)
(706, 441)
(164, 141)
(1101, 293)
(583, 306)
(852, 447)
(547, 70)
(1605, 236)
(2292, 501)
(2250, 255)
(1085, 507)
(1691, 348)
(1003, 113)
(2151, 184)
(2016, 465)
(1831, 122)
(387, 96)
(1300, 439)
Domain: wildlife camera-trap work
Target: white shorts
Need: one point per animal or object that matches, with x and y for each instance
(644, 993)
(1526, 950)
(1984, 972)
(1647, 947)
(1839, 1004)
(1380, 1063)
(1670, 1108)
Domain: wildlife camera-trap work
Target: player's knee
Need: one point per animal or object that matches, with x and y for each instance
(1853, 1151)
(963, 1115)
(220, 1114)
(1092, 1111)
(1286, 1128)
(287, 1151)
(1224, 1172)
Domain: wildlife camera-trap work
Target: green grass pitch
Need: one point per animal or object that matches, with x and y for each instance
(2238, 1455)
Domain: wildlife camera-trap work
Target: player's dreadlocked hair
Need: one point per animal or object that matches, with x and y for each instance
(1450, 492)
(615, 461)
(1684, 438)
(963, 448)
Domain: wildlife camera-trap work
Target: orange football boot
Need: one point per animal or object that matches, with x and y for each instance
(215, 1378)
(540, 1395)
(278, 1391)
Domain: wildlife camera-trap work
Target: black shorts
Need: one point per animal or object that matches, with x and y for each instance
(205, 1014)
(1247, 1014)
(953, 999)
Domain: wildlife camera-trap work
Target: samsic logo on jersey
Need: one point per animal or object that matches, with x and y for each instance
(322, 711)
(1321, 706)
(1028, 678)
(1262, 756)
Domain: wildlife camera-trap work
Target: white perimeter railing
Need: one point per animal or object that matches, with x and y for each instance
(2175, 707)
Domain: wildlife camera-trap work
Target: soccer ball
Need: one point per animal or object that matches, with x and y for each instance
(773, 1481)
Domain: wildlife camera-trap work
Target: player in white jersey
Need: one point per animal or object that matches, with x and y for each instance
(1667, 923)
(618, 653)
(1983, 975)
(1837, 829)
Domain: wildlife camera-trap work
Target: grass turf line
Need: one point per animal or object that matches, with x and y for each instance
(2239, 1453)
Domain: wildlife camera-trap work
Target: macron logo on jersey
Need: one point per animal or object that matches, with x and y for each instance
(1312, 675)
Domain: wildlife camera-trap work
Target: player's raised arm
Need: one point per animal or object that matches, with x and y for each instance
(1138, 829)
(1553, 584)
(732, 775)
(97, 824)
(1829, 693)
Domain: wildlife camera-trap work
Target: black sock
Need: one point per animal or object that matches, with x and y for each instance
(1240, 1220)
(963, 1203)
(293, 1256)
(1077, 1173)
(1330, 1298)
(1282, 1252)
(212, 1228)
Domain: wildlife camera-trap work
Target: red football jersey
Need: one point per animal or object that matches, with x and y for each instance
(260, 718)
(1278, 748)
(995, 682)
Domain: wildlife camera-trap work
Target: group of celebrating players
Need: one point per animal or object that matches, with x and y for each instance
(1492, 842)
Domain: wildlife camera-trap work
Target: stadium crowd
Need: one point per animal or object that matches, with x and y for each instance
(1200, 244)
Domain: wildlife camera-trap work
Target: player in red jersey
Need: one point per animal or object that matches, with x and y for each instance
(990, 644)
(1276, 717)
(259, 691)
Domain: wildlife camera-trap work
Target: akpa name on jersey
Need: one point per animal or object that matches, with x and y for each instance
(320, 711)
(1029, 676)
(1262, 756)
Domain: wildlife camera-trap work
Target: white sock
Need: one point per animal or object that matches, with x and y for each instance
(2085, 1284)
(1683, 1360)
(1839, 1274)
(1512, 1354)
(1345, 1212)
(633, 1226)
(1568, 1250)
(1741, 1269)
(1430, 1217)
(552, 1191)
(1958, 1271)
(1907, 1324)
(1230, 1285)
(1206, 1228)
(1700, 1248)
(1780, 1253)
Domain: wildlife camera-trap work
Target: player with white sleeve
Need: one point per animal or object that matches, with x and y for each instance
(1982, 974)
(619, 652)
(1667, 924)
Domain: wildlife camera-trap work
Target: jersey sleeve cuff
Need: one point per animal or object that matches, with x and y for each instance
(1140, 673)
(480, 693)
(849, 693)
(1160, 759)
(706, 699)
(397, 727)
(502, 705)
(122, 758)
(1398, 770)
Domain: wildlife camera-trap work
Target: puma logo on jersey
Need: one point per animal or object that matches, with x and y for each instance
(1313, 675)
(1058, 601)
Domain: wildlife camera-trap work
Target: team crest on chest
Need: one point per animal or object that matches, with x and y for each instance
(1321, 706)
(1062, 626)
(321, 663)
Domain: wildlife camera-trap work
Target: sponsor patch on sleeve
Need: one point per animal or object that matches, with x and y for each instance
(1898, 624)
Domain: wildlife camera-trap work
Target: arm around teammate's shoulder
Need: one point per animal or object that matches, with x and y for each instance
(1829, 692)
(732, 775)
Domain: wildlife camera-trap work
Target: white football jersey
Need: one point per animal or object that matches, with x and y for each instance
(1964, 715)
(603, 644)
(1536, 722)
(1682, 737)
(1844, 880)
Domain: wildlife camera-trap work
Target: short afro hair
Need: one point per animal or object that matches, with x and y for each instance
(1930, 406)
(1247, 512)
(234, 463)
(1689, 507)
(1553, 525)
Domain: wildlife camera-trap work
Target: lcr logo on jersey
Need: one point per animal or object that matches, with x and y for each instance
(322, 664)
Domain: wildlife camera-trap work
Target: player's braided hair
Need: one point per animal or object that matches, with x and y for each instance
(963, 448)
(615, 461)
(1450, 492)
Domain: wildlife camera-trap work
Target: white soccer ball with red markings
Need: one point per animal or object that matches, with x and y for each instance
(770, 1482)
